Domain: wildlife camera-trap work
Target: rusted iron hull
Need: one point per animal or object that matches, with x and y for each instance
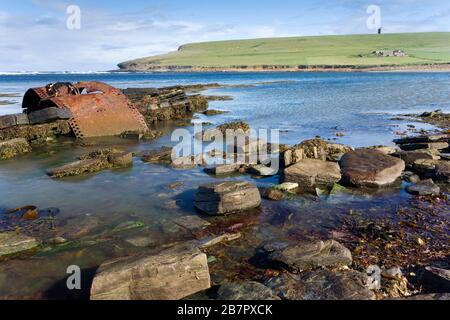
(97, 109)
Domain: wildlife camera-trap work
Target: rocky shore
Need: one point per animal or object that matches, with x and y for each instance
(364, 256)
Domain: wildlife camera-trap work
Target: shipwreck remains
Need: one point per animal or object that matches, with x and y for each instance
(93, 108)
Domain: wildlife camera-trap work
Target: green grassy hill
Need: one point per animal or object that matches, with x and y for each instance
(346, 50)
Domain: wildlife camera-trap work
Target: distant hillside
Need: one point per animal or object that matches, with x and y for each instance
(352, 51)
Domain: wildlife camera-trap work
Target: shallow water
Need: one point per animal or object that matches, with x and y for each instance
(302, 105)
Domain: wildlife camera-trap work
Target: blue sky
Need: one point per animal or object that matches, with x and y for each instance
(34, 36)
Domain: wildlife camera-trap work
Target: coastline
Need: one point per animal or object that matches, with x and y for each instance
(268, 68)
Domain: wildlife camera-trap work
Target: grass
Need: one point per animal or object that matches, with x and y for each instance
(351, 50)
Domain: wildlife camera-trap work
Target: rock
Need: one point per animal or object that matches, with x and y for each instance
(212, 112)
(13, 147)
(321, 285)
(212, 241)
(188, 162)
(423, 139)
(442, 172)
(162, 155)
(287, 186)
(227, 197)
(12, 242)
(394, 283)
(262, 170)
(141, 241)
(314, 149)
(79, 226)
(121, 159)
(12, 120)
(236, 128)
(445, 156)
(223, 169)
(312, 255)
(272, 194)
(410, 177)
(57, 240)
(384, 149)
(424, 188)
(78, 167)
(248, 290)
(411, 156)
(172, 274)
(37, 134)
(49, 115)
(424, 166)
(436, 280)
(250, 145)
(132, 135)
(369, 168)
(373, 277)
(191, 223)
(310, 173)
(425, 146)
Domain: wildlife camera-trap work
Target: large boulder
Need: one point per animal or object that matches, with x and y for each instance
(310, 173)
(312, 255)
(370, 168)
(170, 275)
(248, 290)
(314, 149)
(13, 147)
(322, 285)
(227, 197)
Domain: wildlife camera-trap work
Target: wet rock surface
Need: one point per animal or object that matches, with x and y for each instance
(308, 256)
(169, 275)
(322, 285)
(311, 173)
(249, 290)
(227, 197)
(13, 147)
(370, 168)
(12, 242)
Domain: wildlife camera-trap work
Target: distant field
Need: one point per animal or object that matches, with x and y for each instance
(346, 50)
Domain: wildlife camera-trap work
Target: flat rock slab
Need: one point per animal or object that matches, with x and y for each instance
(192, 223)
(424, 189)
(170, 275)
(311, 173)
(411, 156)
(248, 290)
(78, 167)
(13, 147)
(429, 146)
(162, 155)
(223, 169)
(12, 242)
(227, 197)
(322, 285)
(370, 168)
(312, 255)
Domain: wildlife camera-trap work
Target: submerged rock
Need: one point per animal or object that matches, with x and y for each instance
(162, 155)
(272, 194)
(93, 162)
(13, 147)
(223, 169)
(12, 242)
(424, 188)
(262, 170)
(322, 285)
(310, 173)
(312, 255)
(227, 197)
(370, 168)
(172, 274)
(247, 290)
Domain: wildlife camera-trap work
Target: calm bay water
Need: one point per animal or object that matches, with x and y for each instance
(302, 106)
